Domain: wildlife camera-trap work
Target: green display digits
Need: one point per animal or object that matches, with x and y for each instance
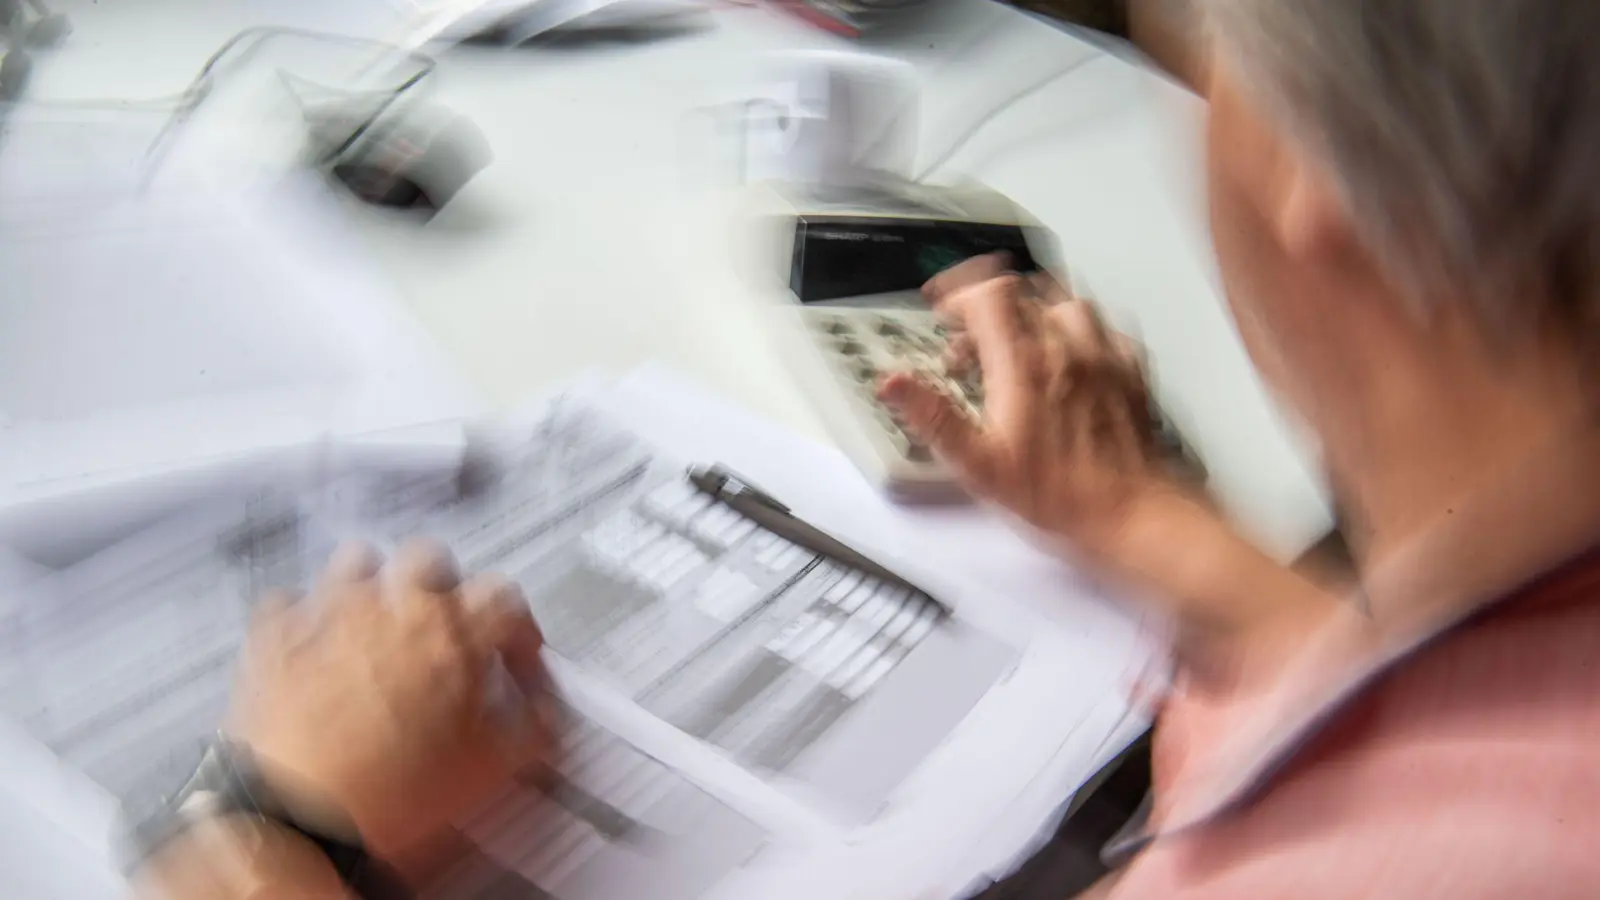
(935, 258)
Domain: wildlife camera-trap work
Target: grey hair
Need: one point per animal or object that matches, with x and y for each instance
(1464, 136)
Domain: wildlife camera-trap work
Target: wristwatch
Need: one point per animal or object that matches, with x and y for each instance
(228, 781)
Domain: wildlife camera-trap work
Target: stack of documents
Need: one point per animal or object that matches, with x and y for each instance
(750, 717)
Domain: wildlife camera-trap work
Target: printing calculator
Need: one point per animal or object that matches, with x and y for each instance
(844, 269)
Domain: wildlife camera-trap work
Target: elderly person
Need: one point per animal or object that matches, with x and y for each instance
(1407, 220)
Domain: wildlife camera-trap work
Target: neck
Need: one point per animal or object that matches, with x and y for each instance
(1432, 477)
(1438, 490)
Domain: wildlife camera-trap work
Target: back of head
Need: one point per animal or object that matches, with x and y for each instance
(1461, 135)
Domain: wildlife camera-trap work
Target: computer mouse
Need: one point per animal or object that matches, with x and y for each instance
(382, 186)
(416, 158)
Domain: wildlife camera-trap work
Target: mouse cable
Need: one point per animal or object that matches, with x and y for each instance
(244, 45)
(994, 112)
(390, 97)
(197, 86)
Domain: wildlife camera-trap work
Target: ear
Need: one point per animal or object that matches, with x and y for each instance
(1311, 219)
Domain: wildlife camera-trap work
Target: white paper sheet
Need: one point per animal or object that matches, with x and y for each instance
(148, 331)
(616, 824)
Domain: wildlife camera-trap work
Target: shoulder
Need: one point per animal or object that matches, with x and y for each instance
(1529, 670)
(1467, 770)
(1399, 820)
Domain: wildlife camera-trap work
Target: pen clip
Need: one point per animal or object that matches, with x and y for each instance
(721, 483)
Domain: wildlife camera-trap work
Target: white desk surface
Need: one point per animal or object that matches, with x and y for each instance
(594, 240)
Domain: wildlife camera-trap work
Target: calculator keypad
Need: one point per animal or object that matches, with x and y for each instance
(862, 346)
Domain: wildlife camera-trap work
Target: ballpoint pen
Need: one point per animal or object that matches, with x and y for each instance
(745, 498)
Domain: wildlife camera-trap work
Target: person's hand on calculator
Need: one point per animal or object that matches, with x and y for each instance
(395, 698)
(1065, 439)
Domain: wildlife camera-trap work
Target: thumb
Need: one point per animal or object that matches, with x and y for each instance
(933, 417)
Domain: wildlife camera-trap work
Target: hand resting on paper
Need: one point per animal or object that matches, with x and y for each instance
(376, 709)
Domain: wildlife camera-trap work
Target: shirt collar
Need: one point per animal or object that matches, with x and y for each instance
(1534, 519)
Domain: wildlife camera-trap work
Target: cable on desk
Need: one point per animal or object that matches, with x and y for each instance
(995, 112)
(251, 40)
(185, 102)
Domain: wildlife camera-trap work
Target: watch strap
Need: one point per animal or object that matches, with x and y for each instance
(228, 781)
(367, 877)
